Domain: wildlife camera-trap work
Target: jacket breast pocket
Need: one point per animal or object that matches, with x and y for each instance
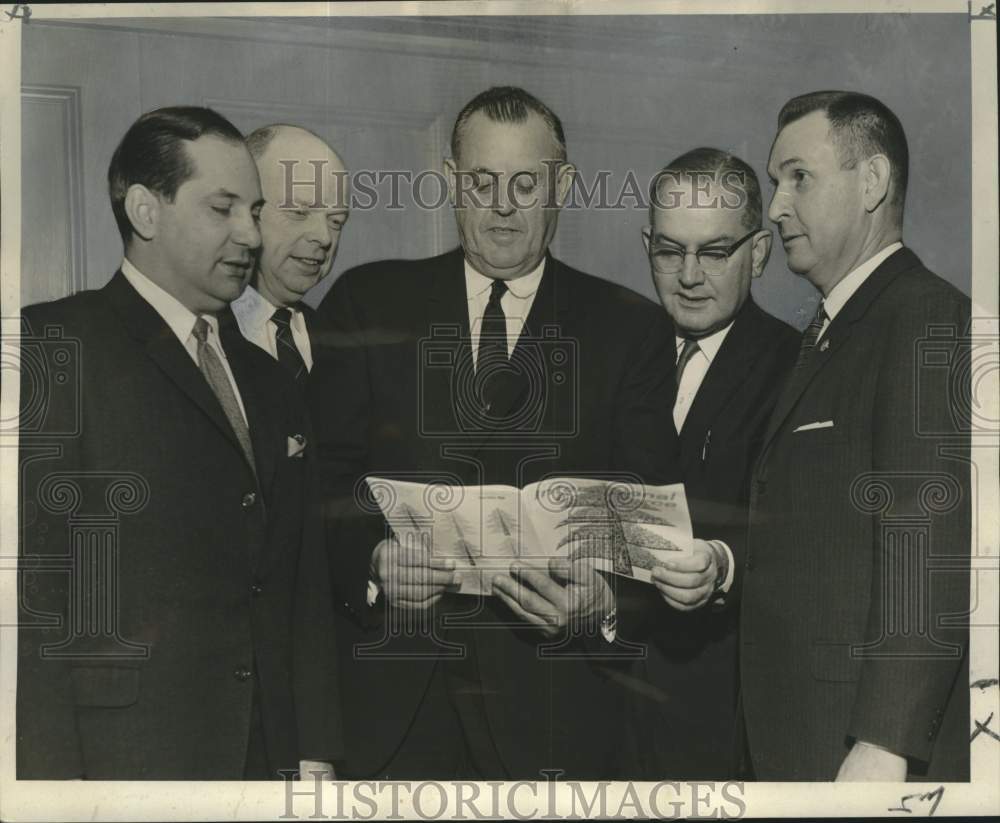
(819, 438)
(105, 686)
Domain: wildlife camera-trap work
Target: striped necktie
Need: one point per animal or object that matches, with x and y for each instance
(288, 353)
(811, 335)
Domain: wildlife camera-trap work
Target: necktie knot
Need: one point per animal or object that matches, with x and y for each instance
(498, 290)
(282, 318)
(200, 330)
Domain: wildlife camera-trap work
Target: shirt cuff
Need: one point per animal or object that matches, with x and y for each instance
(373, 593)
(727, 581)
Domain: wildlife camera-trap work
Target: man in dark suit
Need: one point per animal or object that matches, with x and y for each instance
(706, 246)
(493, 363)
(175, 618)
(304, 183)
(853, 634)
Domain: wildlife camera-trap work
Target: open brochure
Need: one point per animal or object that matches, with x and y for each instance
(623, 528)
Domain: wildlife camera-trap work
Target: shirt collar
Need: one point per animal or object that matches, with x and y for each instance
(845, 289)
(253, 310)
(175, 314)
(710, 345)
(521, 287)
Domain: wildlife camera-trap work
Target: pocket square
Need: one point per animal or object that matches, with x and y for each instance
(820, 424)
(296, 445)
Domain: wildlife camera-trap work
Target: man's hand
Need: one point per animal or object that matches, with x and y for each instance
(411, 577)
(553, 598)
(868, 763)
(316, 769)
(688, 583)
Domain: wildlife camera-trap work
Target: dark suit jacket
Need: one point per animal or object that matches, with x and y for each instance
(390, 397)
(856, 574)
(190, 569)
(683, 702)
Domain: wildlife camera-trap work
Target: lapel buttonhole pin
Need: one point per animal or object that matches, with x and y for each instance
(824, 345)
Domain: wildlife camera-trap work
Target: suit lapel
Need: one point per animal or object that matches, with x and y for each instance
(446, 361)
(146, 325)
(731, 368)
(835, 336)
(255, 390)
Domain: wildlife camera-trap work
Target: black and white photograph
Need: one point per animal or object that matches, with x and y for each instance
(475, 410)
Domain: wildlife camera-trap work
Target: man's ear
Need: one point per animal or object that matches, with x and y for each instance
(877, 174)
(143, 209)
(564, 181)
(760, 251)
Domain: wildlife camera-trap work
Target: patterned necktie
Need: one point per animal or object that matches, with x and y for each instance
(215, 373)
(493, 330)
(288, 353)
(811, 336)
(688, 350)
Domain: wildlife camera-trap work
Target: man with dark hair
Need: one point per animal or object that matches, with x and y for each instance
(492, 364)
(705, 246)
(856, 584)
(305, 208)
(176, 618)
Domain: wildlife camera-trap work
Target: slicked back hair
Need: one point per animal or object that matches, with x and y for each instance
(724, 169)
(152, 154)
(861, 127)
(508, 104)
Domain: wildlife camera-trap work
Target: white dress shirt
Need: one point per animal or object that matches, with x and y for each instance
(695, 371)
(691, 380)
(516, 303)
(253, 314)
(181, 321)
(845, 289)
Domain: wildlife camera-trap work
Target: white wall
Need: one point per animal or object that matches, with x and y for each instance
(633, 92)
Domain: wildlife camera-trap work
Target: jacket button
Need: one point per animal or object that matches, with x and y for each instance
(248, 500)
(242, 674)
(256, 589)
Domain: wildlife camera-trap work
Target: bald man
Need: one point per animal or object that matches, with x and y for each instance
(304, 184)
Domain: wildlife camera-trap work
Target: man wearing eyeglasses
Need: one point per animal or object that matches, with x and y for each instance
(706, 246)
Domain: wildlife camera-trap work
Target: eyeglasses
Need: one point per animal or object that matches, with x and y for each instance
(669, 259)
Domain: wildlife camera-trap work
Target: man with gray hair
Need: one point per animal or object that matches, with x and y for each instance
(304, 184)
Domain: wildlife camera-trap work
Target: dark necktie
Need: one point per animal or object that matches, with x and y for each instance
(288, 353)
(215, 373)
(688, 350)
(811, 336)
(493, 330)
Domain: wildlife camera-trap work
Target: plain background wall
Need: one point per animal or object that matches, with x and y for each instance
(633, 92)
